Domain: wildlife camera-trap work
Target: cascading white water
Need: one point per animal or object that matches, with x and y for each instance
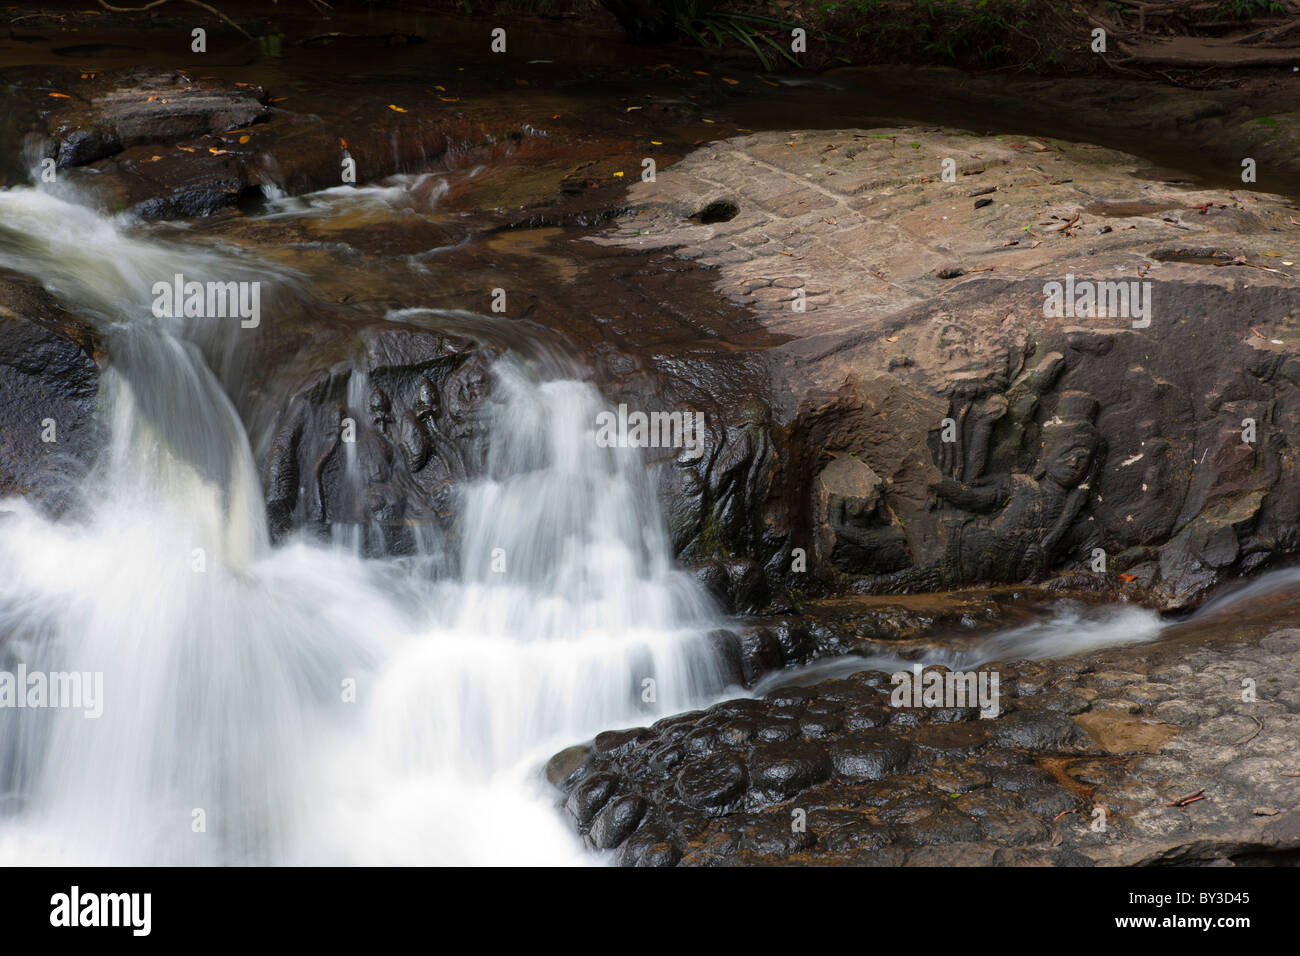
(298, 704)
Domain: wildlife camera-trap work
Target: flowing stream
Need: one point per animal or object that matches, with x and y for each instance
(301, 703)
(226, 734)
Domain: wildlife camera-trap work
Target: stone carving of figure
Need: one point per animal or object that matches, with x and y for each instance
(1014, 525)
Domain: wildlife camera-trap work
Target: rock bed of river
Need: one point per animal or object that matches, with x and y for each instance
(1136, 756)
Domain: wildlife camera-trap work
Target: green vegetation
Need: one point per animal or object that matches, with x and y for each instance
(1245, 9)
(702, 20)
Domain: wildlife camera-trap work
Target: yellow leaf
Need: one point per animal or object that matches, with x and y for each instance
(727, 79)
(154, 159)
(187, 149)
(244, 139)
(1275, 255)
(61, 96)
(396, 109)
(655, 142)
(619, 174)
(450, 99)
(700, 73)
(440, 89)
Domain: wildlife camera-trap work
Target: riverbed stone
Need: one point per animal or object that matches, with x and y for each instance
(50, 364)
(1033, 786)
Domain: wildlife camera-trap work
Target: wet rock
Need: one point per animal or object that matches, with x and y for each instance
(616, 821)
(589, 796)
(49, 380)
(945, 826)
(405, 378)
(949, 738)
(712, 782)
(150, 107)
(618, 742)
(562, 769)
(869, 755)
(1013, 828)
(773, 834)
(1036, 730)
(1049, 801)
(777, 729)
(650, 847)
(783, 768)
(853, 832)
(814, 726)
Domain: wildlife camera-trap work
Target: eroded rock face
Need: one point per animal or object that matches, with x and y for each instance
(49, 379)
(941, 416)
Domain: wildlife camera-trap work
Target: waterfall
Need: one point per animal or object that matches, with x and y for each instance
(298, 703)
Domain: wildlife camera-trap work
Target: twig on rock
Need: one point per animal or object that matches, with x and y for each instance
(157, 3)
(1259, 724)
(1190, 798)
